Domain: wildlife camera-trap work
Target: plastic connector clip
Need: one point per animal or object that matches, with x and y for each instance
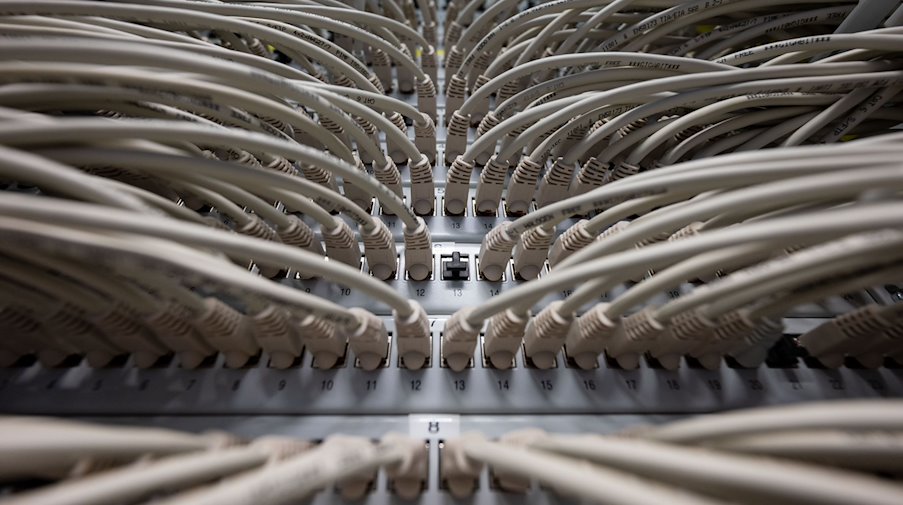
(545, 334)
(459, 340)
(370, 340)
(495, 251)
(412, 337)
(418, 251)
(504, 335)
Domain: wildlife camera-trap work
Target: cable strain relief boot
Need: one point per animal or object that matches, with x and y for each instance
(425, 138)
(123, 324)
(495, 251)
(170, 324)
(322, 178)
(412, 337)
(227, 331)
(456, 136)
(429, 62)
(730, 330)
(622, 171)
(554, 185)
(531, 252)
(508, 89)
(489, 121)
(418, 251)
(322, 339)
(573, 239)
(406, 82)
(490, 187)
(275, 334)
(422, 186)
(394, 147)
(690, 332)
(257, 228)
(341, 244)
(453, 31)
(390, 177)
(504, 336)
(356, 194)
(455, 92)
(457, 186)
(369, 340)
(845, 333)
(299, 235)
(382, 68)
(379, 249)
(458, 472)
(890, 341)
(589, 336)
(371, 131)
(753, 349)
(593, 174)
(522, 187)
(280, 164)
(407, 477)
(635, 335)
(545, 334)
(426, 96)
(72, 322)
(481, 107)
(459, 340)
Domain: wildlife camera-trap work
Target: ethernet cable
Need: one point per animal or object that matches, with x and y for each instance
(421, 168)
(24, 166)
(724, 475)
(873, 452)
(139, 481)
(47, 209)
(723, 38)
(465, 455)
(295, 478)
(425, 89)
(35, 447)
(418, 253)
(464, 325)
(763, 198)
(85, 245)
(863, 40)
(616, 95)
(850, 415)
(798, 269)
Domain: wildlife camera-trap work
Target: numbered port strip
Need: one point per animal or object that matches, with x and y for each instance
(393, 389)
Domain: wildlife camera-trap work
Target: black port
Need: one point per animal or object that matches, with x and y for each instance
(895, 291)
(164, 361)
(785, 353)
(653, 362)
(455, 267)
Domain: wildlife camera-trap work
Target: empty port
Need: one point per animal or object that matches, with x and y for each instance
(455, 267)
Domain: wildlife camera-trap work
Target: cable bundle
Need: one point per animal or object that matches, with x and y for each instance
(813, 453)
(89, 464)
(650, 120)
(175, 143)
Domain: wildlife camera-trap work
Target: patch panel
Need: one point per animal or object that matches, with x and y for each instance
(369, 395)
